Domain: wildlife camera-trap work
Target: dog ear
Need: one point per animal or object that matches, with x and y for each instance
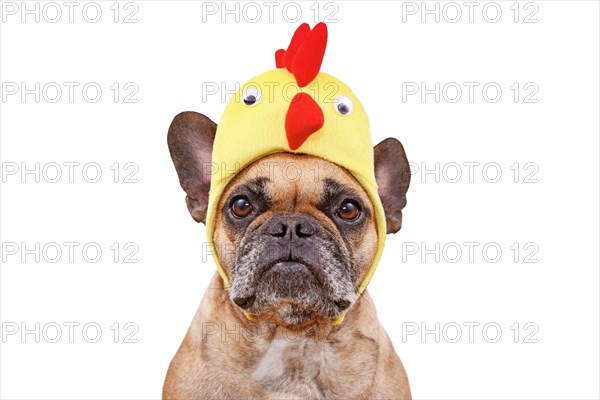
(190, 140)
(392, 174)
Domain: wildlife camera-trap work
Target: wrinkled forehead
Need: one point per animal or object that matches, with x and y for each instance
(287, 175)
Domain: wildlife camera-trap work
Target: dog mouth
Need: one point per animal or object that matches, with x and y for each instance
(275, 271)
(291, 268)
(296, 284)
(288, 266)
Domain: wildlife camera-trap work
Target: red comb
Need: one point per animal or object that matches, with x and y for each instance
(297, 40)
(279, 58)
(304, 55)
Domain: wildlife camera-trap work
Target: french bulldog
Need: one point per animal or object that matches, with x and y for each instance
(295, 251)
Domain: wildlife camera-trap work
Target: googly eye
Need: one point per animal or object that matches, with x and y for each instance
(343, 105)
(251, 95)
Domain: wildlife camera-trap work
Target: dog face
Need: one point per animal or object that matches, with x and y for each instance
(295, 245)
(300, 242)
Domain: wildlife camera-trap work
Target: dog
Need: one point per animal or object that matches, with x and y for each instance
(296, 250)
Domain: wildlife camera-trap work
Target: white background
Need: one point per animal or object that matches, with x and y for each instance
(173, 53)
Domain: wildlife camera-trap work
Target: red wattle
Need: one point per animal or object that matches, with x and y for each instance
(303, 118)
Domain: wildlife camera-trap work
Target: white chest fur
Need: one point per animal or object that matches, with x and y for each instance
(293, 366)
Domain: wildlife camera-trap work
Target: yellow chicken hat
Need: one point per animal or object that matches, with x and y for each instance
(296, 109)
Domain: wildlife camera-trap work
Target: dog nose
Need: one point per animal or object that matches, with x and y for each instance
(292, 226)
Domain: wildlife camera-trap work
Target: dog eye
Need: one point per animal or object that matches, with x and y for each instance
(343, 105)
(348, 210)
(241, 207)
(251, 95)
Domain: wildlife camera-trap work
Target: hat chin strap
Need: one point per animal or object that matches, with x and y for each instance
(334, 321)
